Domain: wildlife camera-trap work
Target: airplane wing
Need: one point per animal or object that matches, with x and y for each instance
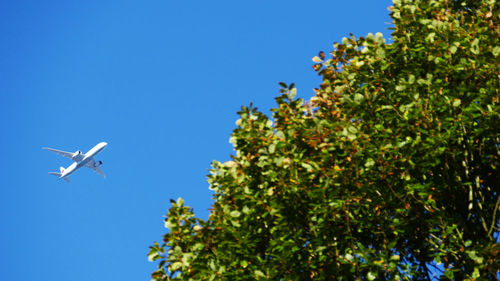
(60, 152)
(94, 166)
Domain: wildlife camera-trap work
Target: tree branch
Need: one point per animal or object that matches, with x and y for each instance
(493, 220)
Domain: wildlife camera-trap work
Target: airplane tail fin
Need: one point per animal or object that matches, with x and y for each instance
(61, 169)
(59, 175)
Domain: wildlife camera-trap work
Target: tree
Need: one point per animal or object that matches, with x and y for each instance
(388, 173)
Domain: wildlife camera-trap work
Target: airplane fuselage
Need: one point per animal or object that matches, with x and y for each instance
(83, 161)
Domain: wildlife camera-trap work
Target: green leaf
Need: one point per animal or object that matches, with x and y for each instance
(430, 37)
(400, 87)
(272, 148)
(316, 59)
(380, 53)
(280, 134)
(370, 276)
(496, 51)
(180, 201)
(411, 79)
(198, 246)
(475, 46)
(369, 162)
(473, 255)
(259, 274)
(308, 167)
(153, 255)
(270, 191)
(176, 266)
(358, 98)
(169, 224)
(379, 37)
(476, 273)
(235, 214)
(454, 47)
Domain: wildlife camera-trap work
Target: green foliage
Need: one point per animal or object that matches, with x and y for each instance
(388, 173)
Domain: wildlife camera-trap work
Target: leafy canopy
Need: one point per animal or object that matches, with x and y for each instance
(389, 172)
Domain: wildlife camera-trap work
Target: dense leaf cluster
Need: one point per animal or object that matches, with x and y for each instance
(388, 173)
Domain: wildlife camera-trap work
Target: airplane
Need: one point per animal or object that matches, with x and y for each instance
(81, 160)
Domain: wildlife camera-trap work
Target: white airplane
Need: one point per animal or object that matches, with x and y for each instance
(81, 160)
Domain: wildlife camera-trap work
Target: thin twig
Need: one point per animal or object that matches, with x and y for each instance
(493, 221)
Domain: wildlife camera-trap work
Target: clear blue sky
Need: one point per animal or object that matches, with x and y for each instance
(161, 82)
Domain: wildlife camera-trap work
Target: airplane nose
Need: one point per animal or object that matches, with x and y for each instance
(104, 143)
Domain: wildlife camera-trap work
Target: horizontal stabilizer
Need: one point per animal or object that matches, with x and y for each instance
(59, 175)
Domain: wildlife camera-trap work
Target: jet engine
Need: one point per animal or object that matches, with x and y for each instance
(97, 164)
(78, 152)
